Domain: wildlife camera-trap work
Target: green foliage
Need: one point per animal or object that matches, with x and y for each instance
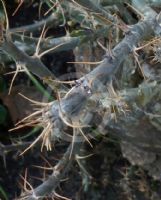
(34, 131)
(2, 14)
(3, 193)
(39, 86)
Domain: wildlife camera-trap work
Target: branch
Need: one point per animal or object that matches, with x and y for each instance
(52, 20)
(28, 45)
(88, 4)
(61, 44)
(49, 186)
(32, 64)
(73, 103)
(77, 97)
(144, 8)
(155, 3)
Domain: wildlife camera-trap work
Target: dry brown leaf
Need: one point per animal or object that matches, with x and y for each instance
(18, 106)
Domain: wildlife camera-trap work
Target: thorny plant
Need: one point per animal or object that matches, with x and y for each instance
(43, 117)
(37, 118)
(109, 104)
